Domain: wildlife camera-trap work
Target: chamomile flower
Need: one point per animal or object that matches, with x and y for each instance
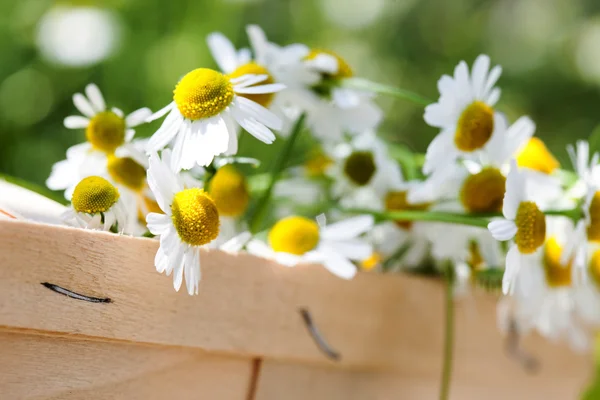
(189, 222)
(294, 240)
(203, 114)
(523, 221)
(546, 294)
(105, 130)
(464, 113)
(96, 204)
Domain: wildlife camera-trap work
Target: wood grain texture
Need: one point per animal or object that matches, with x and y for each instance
(248, 307)
(39, 367)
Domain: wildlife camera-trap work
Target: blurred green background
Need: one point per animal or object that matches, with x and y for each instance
(136, 50)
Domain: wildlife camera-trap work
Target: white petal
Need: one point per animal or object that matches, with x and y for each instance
(253, 127)
(258, 41)
(163, 111)
(515, 192)
(337, 264)
(222, 51)
(247, 80)
(349, 228)
(83, 105)
(76, 122)
(270, 88)
(491, 81)
(353, 249)
(324, 63)
(138, 117)
(178, 264)
(232, 147)
(236, 243)
(166, 133)
(513, 265)
(158, 224)
(118, 111)
(216, 132)
(502, 229)
(95, 97)
(192, 270)
(258, 112)
(178, 150)
(161, 261)
(479, 74)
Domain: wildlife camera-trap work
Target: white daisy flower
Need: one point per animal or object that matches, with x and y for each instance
(203, 115)
(587, 192)
(96, 204)
(464, 113)
(189, 222)
(523, 221)
(294, 240)
(547, 295)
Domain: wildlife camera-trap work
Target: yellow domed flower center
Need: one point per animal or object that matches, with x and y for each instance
(371, 262)
(94, 195)
(203, 93)
(593, 230)
(195, 217)
(475, 127)
(360, 167)
(229, 190)
(396, 201)
(531, 227)
(106, 131)
(535, 155)
(343, 70)
(294, 235)
(264, 99)
(483, 191)
(125, 171)
(317, 164)
(594, 267)
(556, 274)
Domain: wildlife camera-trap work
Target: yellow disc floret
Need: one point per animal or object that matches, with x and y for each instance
(106, 131)
(593, 230)
(203, 93)
(557, 274)
(396, 201)
(535, 155)
(483, 191)
(294, 235)
(195, 217)
(371, 262)
(360, 167)
(531, 227)
(264, 99)
(475, 127)
(229, 190)
(343, 68)
(317, 164)
(127, 172)
(594, 267)
(94, 195)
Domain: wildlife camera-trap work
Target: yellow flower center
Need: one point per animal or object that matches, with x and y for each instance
(593, 230)
(535, 155)
(594, 267)
(531, 227)
(106, 131)
(371, 262)
(294, 235)
(557, 274)
(229, 190)
(94, 195)
(317, 164)
(203, 93)
(343, 71)
(195, 217)
(360, 167)
(396, 201)
(483, 191)
(264, 99)
(475, 127)
(125, 171)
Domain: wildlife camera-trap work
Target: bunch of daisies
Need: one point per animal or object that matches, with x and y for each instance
(487, 199)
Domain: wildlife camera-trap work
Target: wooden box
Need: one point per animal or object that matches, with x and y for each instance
(243, 337)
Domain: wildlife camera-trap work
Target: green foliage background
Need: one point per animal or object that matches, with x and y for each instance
(550, 72)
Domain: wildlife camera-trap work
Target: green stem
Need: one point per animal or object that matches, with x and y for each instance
(261, 207)
(448, 337)
(431, 216)
(364, 84)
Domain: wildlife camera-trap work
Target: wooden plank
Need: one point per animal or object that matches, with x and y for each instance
(43, 367)
(247, 306)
